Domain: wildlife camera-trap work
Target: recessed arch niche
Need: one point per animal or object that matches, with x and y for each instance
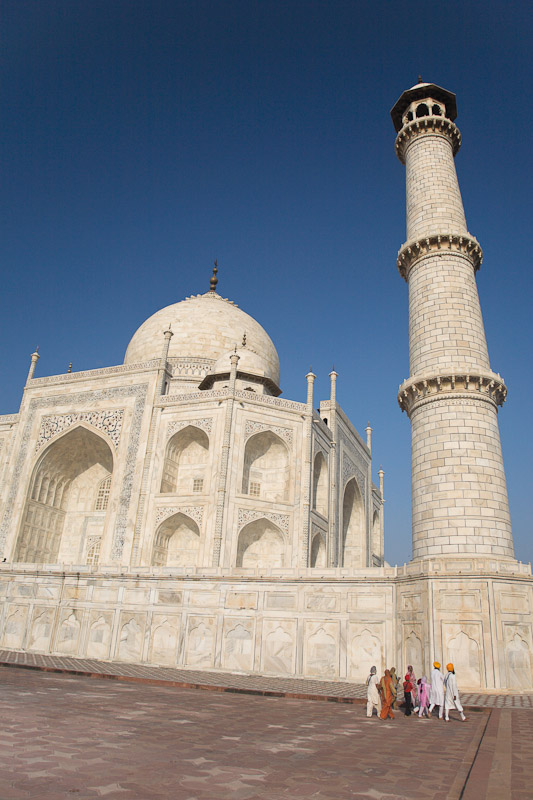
(266, 467)
(261, 544)
(176, 542)
(320, 484)
(62, 514)
(184, 469)
(318, 551)
(353, 525)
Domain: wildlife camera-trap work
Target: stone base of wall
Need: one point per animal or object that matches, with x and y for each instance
(332, 627)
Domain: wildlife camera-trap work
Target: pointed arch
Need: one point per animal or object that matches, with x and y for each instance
(184, 469)
(261, 544)
(320, 484)
(353, 525)
(176, 542)
(318, 551)
(266, 467)
(59, 512)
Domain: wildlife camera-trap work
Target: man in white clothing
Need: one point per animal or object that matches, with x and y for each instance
(436, 693)
(372, 693)
(452, 699)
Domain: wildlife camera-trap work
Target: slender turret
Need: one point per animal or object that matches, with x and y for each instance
(459, 492)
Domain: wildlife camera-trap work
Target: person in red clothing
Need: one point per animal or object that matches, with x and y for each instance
(408, 695)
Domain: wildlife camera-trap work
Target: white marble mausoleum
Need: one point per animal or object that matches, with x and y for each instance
(176, 510)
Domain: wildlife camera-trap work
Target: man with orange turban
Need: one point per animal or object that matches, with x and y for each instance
(452, 699)
(436, 693)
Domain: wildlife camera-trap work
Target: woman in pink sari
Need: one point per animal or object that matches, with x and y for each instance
(423, 697)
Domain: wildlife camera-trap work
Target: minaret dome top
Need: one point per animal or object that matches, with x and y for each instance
(423, 100)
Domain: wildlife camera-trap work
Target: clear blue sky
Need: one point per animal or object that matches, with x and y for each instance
(143, 139)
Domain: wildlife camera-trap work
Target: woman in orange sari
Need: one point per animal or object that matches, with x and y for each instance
(388, 695)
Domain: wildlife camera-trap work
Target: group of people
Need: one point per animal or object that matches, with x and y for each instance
(420, 697)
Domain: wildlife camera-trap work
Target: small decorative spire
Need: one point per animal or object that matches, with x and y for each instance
(214, 280)
(244, 339)
(69, 368)
(420, 79)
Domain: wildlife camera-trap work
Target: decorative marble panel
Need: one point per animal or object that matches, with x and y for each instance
(238, 645)
(15, 626)
(462, 645)
(41, 629)
(200, 642)
(279, 646)
(164, 639)
(322, 649)
(68, 631)
(99, 641)
(131, 635)
(365, 650)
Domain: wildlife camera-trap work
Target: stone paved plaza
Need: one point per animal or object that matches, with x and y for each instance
(69, 736)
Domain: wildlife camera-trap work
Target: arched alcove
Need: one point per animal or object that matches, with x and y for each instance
(184, 470)
(266, 467)
(64, 514)
(261, 544)
(318, 551)
(176, 542)
(353, 525)
(320, 484)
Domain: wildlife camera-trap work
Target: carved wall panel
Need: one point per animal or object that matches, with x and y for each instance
(200, 652)
(279, 646)
(238, 644)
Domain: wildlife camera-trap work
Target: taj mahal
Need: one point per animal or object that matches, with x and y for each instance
(175, 510)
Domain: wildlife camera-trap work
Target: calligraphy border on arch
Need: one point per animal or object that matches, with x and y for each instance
(195, 512)
(206, 424)
(246, 515)
(84, 398)
(108, 422)
(252, 426)
(350, 470)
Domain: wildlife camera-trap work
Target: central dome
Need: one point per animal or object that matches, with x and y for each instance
(204, 326)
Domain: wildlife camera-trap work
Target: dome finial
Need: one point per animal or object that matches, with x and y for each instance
(214, 280)
(420, 79)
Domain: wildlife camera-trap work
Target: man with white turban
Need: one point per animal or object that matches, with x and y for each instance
(452, 699)
(372, 693)
(436, 693)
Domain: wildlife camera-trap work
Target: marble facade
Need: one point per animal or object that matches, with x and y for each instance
(175, 510)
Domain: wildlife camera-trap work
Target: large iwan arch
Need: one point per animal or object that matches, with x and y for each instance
(266, 467)
(184, 470)
(176, 542)
(65, 509)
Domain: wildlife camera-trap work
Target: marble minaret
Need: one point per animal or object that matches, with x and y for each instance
(460, 504)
